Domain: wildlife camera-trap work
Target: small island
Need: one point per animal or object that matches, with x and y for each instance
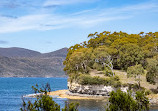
(110, 61)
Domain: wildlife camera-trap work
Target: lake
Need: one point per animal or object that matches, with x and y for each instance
(12, 89)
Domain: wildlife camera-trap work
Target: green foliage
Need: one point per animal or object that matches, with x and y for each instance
(129, 55)
(121, 101)
(96, 80)
(135, 71)
(78, 61)
(142, 101)
(44, 102)
(107, 72)
(117, 50)
(70, 107)
(98, 66)
(73, 77)
(152, 67)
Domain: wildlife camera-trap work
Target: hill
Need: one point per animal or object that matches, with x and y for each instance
(19, 62)
(58, 53)
(18, 52)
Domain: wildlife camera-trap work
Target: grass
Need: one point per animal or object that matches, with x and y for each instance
(124, 80)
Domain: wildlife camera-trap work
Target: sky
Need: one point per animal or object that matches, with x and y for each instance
(48, 25)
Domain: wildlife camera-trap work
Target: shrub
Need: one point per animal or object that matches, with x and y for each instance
(152, 68)
(45, 103)
(88, 80)
(155, 91)
(107, 72)
(121, 101)
(72, 77)
(98, 66)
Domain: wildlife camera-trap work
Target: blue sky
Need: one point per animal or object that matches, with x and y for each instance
(48, 25)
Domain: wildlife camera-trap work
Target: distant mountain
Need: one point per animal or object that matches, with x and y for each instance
(18, 52)
(19, 62)
(58, 53)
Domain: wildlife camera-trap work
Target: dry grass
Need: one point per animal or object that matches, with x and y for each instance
(123, 78)
(97, 73)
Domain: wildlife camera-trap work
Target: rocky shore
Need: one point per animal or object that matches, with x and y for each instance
(69, 95)
(101, 90)
(153, 98)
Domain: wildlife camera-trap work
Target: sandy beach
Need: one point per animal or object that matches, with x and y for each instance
(68, 95)
(153, 98)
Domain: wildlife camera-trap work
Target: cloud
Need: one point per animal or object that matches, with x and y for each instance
(3, 42)
(65, 2)
(24, 4)
(85, 18)
(48, 42)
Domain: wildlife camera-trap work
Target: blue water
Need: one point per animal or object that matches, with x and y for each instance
(12, 89)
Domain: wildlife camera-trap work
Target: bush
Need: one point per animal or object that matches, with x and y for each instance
(98, 66)
(152, 68)
(72, 77)
(155, 91)
(88, 80)
(150, 77)
(121, 101)
(107, 72)
(45, 103)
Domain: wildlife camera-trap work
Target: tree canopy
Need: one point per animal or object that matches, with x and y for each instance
(117, 50)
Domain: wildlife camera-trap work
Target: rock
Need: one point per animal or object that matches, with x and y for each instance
(102, 90)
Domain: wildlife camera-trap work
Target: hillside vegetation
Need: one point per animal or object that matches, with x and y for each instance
(136, 54)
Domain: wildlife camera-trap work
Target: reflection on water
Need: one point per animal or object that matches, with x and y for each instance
(93, 105)
(90, 105)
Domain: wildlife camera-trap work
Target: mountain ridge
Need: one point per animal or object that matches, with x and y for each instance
(20, 62)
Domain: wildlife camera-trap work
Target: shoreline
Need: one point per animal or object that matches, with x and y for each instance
(68, 95)
(153, 98)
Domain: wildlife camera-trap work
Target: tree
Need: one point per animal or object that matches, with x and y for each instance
(44, 102)
(79, 60)
(102, 56)
(135, 71)
(152, 68)
(117, 50)
(122, 101)
(71, 50)
(129, 55)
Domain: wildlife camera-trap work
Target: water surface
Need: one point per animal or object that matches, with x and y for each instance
(12, 89)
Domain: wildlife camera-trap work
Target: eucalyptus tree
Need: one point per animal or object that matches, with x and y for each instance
(102, 56)
(136, 72)
(152, 68)
(79, 61)
(129, 55)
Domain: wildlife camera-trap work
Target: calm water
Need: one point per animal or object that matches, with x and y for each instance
(11, 90)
